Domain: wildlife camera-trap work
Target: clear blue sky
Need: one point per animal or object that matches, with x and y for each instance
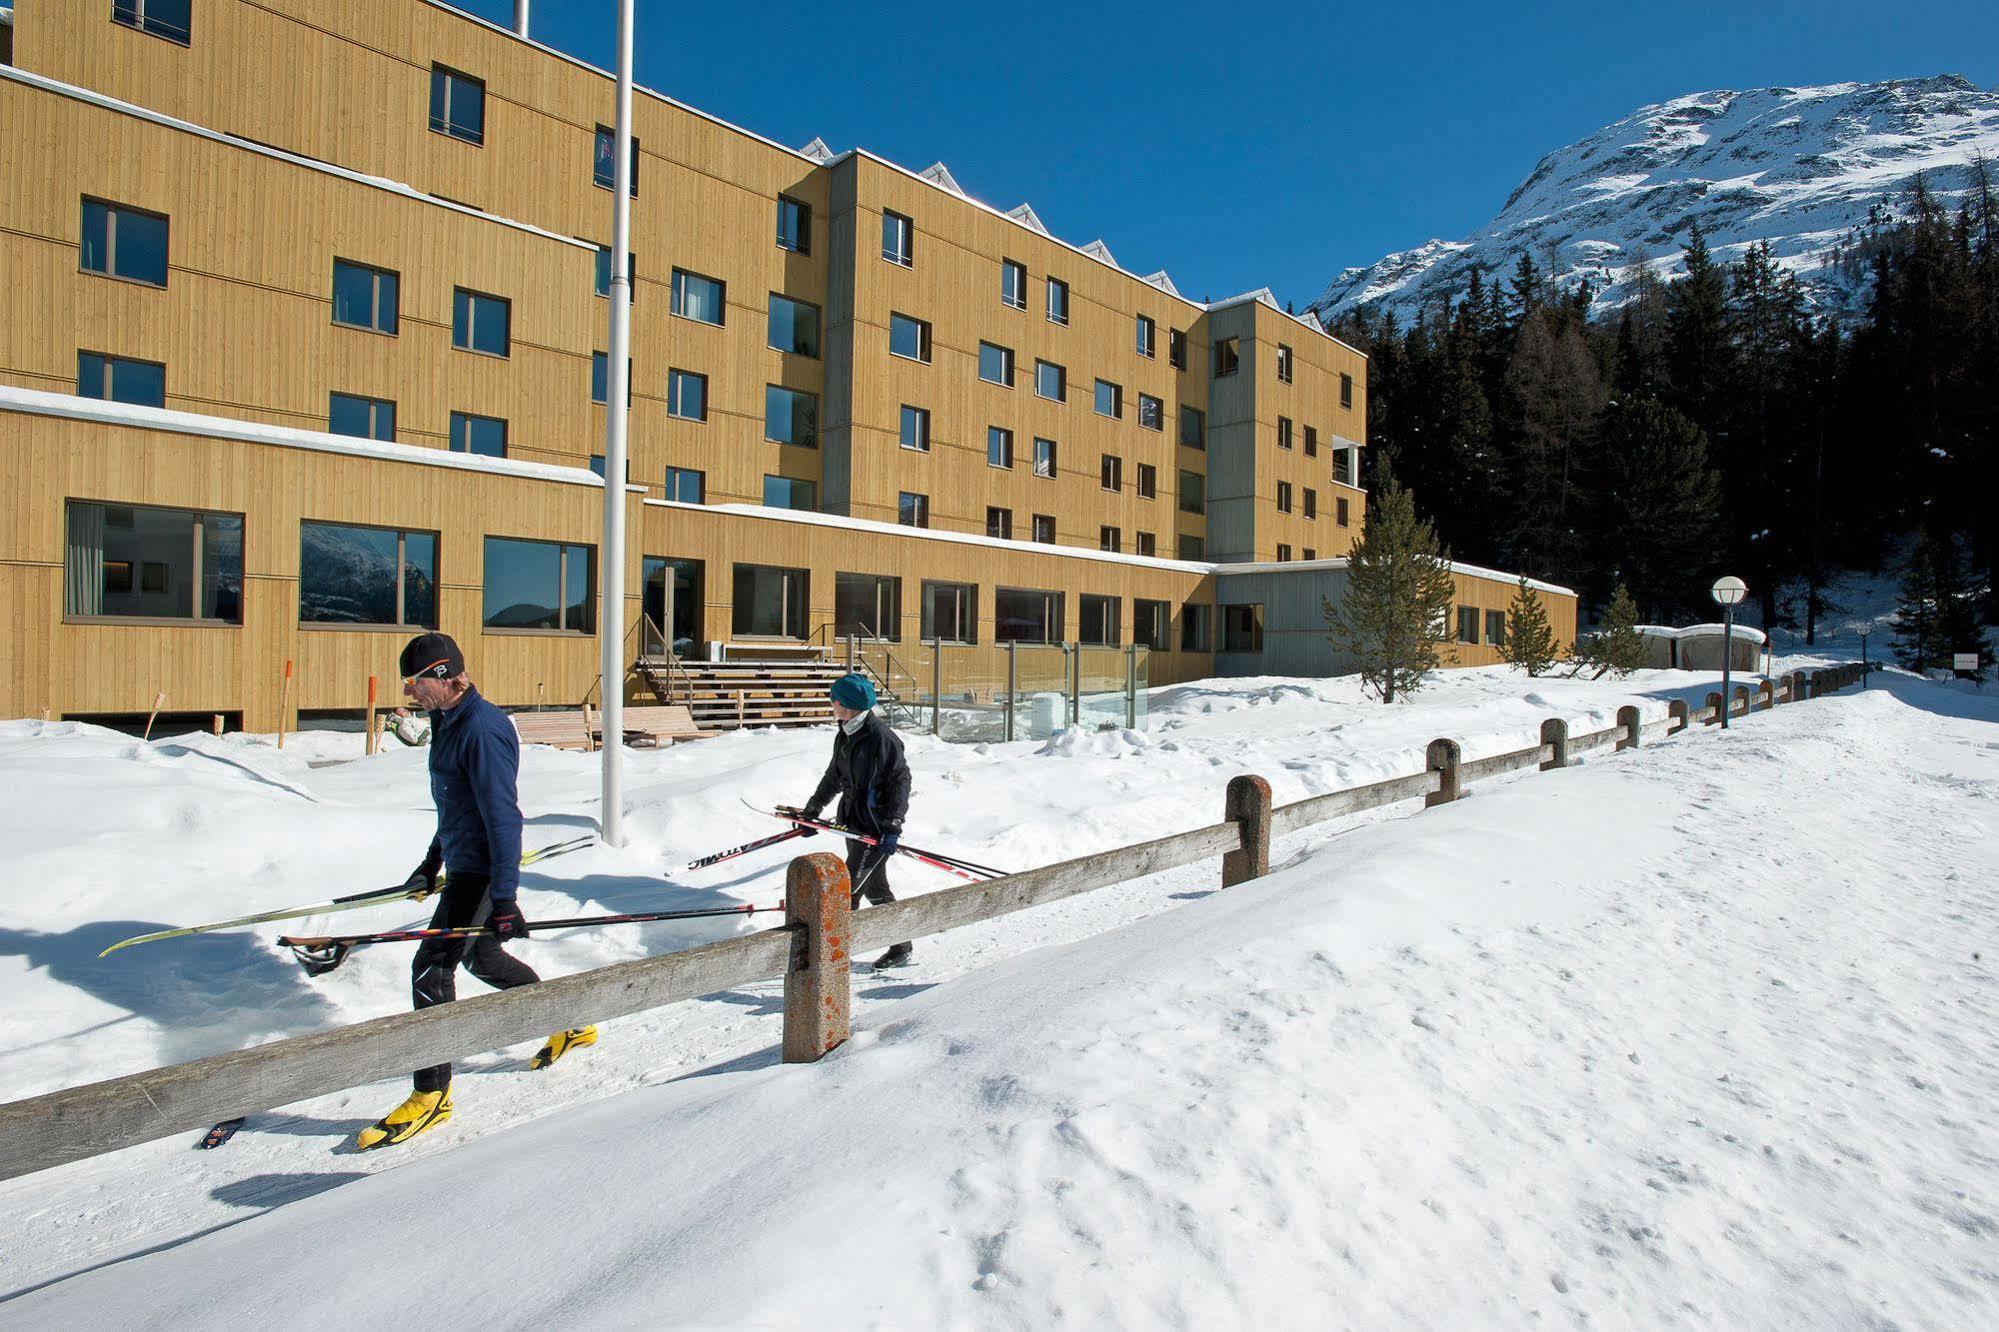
(1240, 145)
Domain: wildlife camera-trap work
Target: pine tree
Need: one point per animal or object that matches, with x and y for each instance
(1660, 505)
(1557, 396)
(1915, 607)
(1616, 645)
(1395, 618)
(1958, 604)
(1530, 642)
(1697, 346)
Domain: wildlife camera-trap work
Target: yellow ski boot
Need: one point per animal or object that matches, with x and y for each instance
(423, 1110)
(561, 1044)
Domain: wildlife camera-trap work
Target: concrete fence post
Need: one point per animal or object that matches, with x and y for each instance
(1715, 703)
(1815, 684)
(1554, 731)
(1766, 695)
(1679, 714)
(818, 989)
(1634, 727)
(1247, 805)
(1741, 697)
(1443, 758)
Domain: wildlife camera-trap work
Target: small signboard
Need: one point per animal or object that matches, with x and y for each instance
(1964, 661)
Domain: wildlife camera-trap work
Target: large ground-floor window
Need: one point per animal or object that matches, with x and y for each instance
(1098, 620)
(540, 585)
(771, 602)
(366, 575)
(1026, 615)
(1242, 627)
(867, 605)
(671, 600)
(1151, 624)
(950, 612)
(152, 563)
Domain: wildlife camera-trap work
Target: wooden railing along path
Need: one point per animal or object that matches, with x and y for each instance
(811, 951)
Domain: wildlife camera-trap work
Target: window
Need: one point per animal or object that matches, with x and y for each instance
(686, 486)
(141, 383)
(540, 585)
(1193, 428)
(1283, 364)
(603, 281)
(1340, 510)
(1044, 528)
(950, 612)
(604, 169)
(1346, 390)
(1283, 432)
(366, 575)
(916, 428)
(999, 446)
(1176, 348)
(1144, 543)
(481, 323)
(1151, 412)
(867, 606)
(1343, 466)
(1284, 497)
(124, 242)
(770, 602)
(996, 364)
(1311, 554)
(794, 326)
(794, 225)
(1110, 399)
(457, 104)
(1044, 457)
(1242, 628)
(363, 418)
(484, 435)
(1495, 628)
(1226, 359)
(1311, 502)
(999, 523)
(172, 564)
(1110, 539)
(898, 239)
(1110, 472)
(1283, 552)
(909, 337)
(1194, 627)
(1151, 624)
(1148, 337)
(687, 395)
(912, 509)
(699, 298)
(600, 378)
(1058, 301)
(1051, 381)
(1013, 284)
(161, 18)
(1026, 615)
(365, 297)
(1193, 492)
(1191, 547)
(791, 416)
(784, 492)
(1148, 481)
(1311, 442)
(1467, 624)
(1098, 621)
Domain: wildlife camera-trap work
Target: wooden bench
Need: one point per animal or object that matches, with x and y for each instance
(583, 728)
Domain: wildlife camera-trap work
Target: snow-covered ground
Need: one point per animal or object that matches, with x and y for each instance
(1701, 1035)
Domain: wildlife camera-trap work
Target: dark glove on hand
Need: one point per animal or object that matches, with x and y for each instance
(507, 920)
(422, 881)
(804, 829)
(891, 840)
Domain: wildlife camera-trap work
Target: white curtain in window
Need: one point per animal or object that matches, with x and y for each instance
(83, 561)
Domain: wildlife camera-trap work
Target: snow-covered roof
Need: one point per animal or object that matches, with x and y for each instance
(1027, 217)
(940, 175)
(1164, 283)
(1703, 631)
(817, 151)
(34, 402)
(265, 150)
(1341, 562)
(1096, 249)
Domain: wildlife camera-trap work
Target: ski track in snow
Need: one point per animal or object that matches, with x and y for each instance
(1725, 1057)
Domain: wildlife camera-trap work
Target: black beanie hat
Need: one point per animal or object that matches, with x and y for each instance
(435, 655)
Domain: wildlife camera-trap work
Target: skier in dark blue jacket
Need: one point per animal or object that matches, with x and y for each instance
(475, 758)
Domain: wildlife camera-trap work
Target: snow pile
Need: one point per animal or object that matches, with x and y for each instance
(1682, 1036)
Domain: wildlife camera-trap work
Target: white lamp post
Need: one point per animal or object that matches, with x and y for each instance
(1729, 592)
(1863, 629)
(611, 615)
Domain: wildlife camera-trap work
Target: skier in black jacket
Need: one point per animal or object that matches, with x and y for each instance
(871, 777)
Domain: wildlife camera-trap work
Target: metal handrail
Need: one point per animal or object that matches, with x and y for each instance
(672, 659)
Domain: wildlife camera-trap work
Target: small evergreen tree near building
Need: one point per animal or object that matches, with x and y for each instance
(1396, 615)
(1530, 642)
(1936, 614)
(1617, 646)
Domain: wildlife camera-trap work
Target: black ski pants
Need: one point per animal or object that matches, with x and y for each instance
(464, 904)
(860, 856)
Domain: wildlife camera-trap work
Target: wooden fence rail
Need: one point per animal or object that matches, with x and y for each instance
(811, 951)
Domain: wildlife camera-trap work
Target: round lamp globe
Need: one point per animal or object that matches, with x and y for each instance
(1730, 591)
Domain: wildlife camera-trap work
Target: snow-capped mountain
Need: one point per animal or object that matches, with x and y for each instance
(1797, 167)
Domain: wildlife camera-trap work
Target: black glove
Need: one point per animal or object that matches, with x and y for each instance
(890, 840)
(422, 881)
(507, 921)
(803, 830)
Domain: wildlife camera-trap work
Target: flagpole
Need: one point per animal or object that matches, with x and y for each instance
(611, 620)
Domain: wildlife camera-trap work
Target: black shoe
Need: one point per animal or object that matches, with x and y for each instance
(899, 956)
